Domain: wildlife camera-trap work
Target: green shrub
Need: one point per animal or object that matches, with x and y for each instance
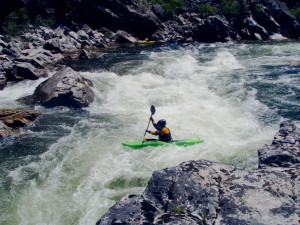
(296, 13)
(207, 10)
(172, 6)
(16, 22)
(44, 21)
(229, 8)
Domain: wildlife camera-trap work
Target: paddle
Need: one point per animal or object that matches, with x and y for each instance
(152, 110)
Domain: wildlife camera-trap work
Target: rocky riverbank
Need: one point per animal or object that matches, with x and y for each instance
(204, 192)
(93, 25)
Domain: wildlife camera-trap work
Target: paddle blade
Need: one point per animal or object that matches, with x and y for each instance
(152, 109)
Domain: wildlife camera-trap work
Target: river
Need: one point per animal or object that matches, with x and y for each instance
(70, 167)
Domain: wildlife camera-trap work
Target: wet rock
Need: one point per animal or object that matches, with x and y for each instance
(3, 80)
(19, 117)
(64, 88)
(284, 150)
(203, 192)
(5, 131)
(84, 54)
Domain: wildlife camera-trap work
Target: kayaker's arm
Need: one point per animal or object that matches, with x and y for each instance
(152, 132)
(155, 124)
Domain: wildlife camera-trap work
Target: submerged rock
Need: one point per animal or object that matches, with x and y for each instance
(64, 88)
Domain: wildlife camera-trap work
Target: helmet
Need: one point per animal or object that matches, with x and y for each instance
(162, 122)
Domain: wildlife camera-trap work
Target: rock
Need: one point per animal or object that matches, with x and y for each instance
(253, 30)
(284, 150)
(124, 37)
(60, 45)
(3, 80)
(289, 25)
(19, 117)
(203, 192)
(82, 35)
(39, 57)
(84, 54)
(5, 131)
(64, 88)
(214, 29)
(27, 71)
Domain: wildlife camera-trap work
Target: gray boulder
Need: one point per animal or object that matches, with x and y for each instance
(64, 88)
(203, 192)
(124, 37)
(284, 150)
(23, 71)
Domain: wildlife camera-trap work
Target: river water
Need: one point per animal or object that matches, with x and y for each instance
(70, 167)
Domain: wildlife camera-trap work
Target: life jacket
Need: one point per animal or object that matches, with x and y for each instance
(164, 133)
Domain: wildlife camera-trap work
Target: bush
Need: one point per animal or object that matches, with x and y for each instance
(207, 10)
(172, 6)
(296, 13)
(16, 22)
(229, 7)
(44, 21)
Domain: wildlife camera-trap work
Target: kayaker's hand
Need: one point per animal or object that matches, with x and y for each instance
(151, 118)
(147, 131)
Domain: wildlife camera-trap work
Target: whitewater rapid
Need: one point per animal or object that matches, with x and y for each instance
(79, 167)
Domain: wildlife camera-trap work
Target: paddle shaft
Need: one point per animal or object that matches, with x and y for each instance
(152, 110)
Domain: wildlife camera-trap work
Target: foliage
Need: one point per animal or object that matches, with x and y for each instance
(207, 10)
(229, 7)
(16, 22)
(296, 12)
(172, 6)
(44, 21)
(177, 209)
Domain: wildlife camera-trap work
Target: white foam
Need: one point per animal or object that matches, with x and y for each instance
(73, 179)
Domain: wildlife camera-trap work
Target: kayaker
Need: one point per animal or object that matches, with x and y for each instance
(164, 133)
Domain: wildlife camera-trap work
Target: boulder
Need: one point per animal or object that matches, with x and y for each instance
(124, 37)
(61, 45)
(40, 57)
(84, 54)
(214, 29)
(64, 88)
(3, 80)
(284, 150)
(23, 71)
(204, 192)
(19, 117)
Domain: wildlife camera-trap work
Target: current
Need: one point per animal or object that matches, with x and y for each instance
(70, 167)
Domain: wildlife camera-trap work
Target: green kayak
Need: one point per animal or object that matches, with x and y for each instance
(155, 143)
